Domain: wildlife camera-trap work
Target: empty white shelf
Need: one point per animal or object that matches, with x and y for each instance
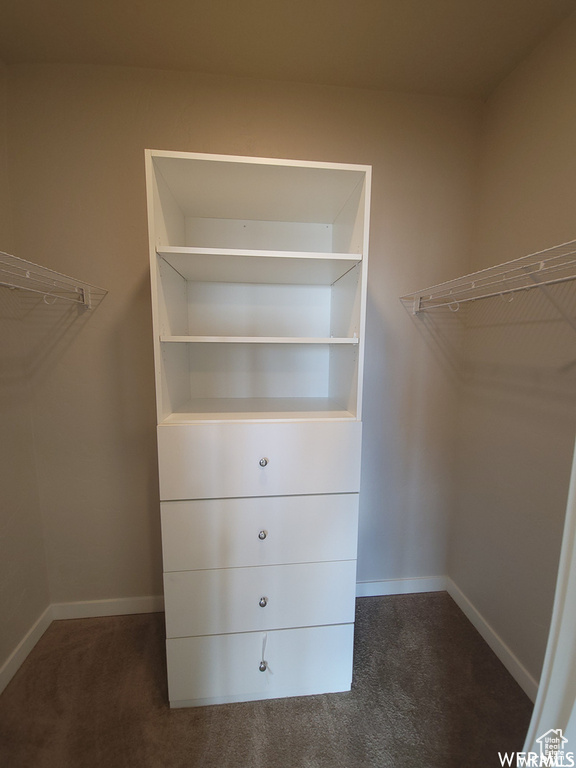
(232, 265)
(258, 409)
(255, 340)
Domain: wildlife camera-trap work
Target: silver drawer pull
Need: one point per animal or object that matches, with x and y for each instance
(263, 666)
(262, 535)
(263, 462)
(263, 602)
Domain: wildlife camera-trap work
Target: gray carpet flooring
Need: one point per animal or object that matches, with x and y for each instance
(427, 693)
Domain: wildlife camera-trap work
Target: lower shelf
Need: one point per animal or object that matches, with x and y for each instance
(226, 668)
(258, 409)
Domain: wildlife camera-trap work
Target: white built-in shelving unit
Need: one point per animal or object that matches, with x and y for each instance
(258, 270)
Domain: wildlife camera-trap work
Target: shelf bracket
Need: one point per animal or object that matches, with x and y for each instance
(417, 305)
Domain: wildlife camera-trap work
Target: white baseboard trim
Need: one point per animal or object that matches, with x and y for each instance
(506, 656)
(154, 603)
(19, 654)
(80, 610)
(445, 583)
(119, 606)
(400, 586)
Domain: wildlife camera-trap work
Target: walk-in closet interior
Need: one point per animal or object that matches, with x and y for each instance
(185, 223)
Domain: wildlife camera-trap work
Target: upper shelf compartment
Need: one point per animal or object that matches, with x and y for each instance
(548, 267)
(256, 205)
(231, 265)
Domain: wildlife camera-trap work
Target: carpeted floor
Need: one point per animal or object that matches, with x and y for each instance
(427, 693)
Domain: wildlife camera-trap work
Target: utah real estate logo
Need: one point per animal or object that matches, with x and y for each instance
(553, 753)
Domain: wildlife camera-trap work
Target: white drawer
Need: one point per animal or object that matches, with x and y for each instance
(205, 461)
(228, 600)
(265, 530)
(225, 668)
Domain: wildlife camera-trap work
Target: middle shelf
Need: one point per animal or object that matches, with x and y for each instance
(234, 265)
(291, 299)
(256, 334)
(256, 340)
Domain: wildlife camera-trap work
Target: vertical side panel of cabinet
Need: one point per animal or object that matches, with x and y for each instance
(364, 212)
(168, 220)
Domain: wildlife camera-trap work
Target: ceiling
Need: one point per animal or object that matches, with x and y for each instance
(443, 47)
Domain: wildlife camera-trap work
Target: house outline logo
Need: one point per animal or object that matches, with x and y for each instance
(553, 753)
(552, 744)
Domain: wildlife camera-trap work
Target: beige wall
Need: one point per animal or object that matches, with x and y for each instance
(517, 419)
(85, 405)
(78, 464)
(5, 208)
(77, 136)
(78, 405)
(23, 577)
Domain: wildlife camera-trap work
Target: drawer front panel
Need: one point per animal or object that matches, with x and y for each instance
(204, 670)
(265, 530)
(228, 600)
(205, 461)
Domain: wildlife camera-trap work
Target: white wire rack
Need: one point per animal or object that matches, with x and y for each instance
(553, 265)
(25, 275)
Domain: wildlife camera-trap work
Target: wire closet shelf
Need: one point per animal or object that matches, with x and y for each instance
(548, 267)
(25, 275)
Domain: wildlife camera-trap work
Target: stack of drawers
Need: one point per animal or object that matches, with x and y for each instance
(259, 530)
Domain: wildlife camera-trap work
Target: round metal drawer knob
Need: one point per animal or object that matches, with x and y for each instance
(262, 535)
(263, 666)
(263, 602)
(263, 462)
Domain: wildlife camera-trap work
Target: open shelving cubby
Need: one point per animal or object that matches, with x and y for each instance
(259, 282)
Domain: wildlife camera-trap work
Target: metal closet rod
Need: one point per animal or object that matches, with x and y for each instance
(27, 276)
(551, 266)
